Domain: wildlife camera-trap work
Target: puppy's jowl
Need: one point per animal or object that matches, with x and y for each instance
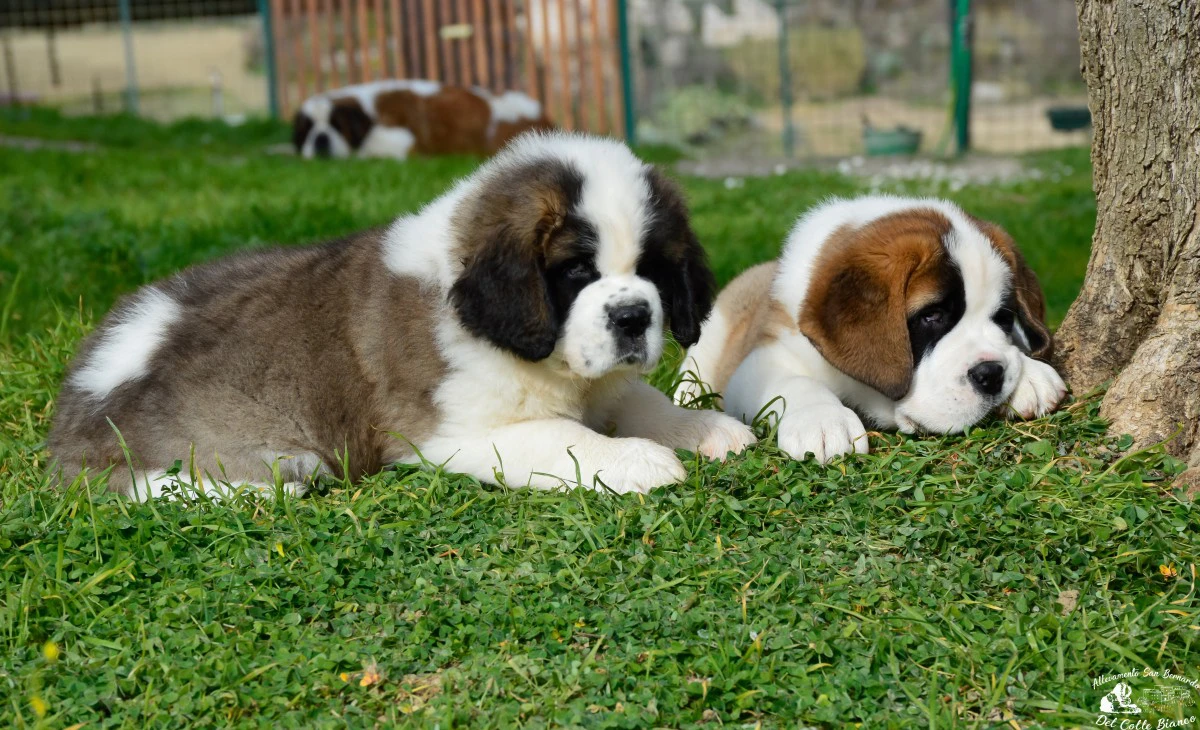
(501, 330)
(905, 312)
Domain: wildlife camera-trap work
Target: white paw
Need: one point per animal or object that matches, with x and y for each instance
(722, 434)
(826, 431)
(1038, 391)
(639, 465)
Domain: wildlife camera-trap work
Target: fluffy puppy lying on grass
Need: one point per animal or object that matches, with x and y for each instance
(501, 331)
(905, 312)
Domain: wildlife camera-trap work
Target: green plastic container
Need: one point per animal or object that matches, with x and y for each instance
(1069, 118)
(898, 141)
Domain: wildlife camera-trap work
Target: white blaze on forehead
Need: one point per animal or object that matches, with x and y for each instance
(985, 275)
(126, 348)
(615, 201)
(317, 108)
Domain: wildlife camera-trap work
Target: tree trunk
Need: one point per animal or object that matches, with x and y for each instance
(1137, 320)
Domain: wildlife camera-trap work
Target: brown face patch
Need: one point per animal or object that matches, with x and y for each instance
(865, 284)
(452, 121)
(511, 234)
(1027, 291)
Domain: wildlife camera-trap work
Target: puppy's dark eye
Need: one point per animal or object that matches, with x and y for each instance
(1004, 319)
(579, 272)
(932, 318)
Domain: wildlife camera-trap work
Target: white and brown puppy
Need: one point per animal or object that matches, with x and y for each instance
(903, 312)
(500, 330)
(399, 118)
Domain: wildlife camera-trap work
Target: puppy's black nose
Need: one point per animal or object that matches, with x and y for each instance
(321, 145)
(987, 377)
(630, 320)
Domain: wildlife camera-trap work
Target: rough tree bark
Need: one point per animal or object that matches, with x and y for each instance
(1137, 320)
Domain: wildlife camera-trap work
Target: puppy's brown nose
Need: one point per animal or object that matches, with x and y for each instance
(630, 320)
(987, 377)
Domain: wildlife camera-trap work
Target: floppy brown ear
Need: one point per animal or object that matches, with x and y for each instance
(857, 321)
(301, 126)
(1027, 291)
(674, 260)
(864, 285)
(349, 119)
(502, 297)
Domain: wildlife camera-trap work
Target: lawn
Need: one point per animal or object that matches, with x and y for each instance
(968, 581)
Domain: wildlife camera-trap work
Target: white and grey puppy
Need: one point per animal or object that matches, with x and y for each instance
(905, 312)
(500, 330)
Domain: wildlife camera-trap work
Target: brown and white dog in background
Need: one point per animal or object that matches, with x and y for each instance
(905, 312)
(501, 330)
(404, 117)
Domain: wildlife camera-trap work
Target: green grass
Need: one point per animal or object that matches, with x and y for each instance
(914, 587)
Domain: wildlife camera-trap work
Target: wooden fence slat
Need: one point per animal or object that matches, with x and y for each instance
(381, 37)
(598, 41)
(497, 57)
(297, 52)
(613, 67)
(531, 71)
(414, 36)
(410, 47)
(509, 42)
(548, 91)
(278, 34)
(581, 86)
(431, 42)
(479, 34)
(564, 69)
(330, 30)
(364, 42)
(462, 44)
(347, 42)
(314, 40)
(399, 63)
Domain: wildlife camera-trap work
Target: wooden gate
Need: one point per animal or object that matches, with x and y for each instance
(565, 53)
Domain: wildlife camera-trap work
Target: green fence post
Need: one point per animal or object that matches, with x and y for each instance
(785, 82)
(131, 87)
(264, 12)
(626, 72)
(961, 49)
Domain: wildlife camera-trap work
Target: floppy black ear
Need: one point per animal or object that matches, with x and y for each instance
(502, 297)
(352, 122)
(1031, 309)
(674, 260)
(691, 299)
(301, 126)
